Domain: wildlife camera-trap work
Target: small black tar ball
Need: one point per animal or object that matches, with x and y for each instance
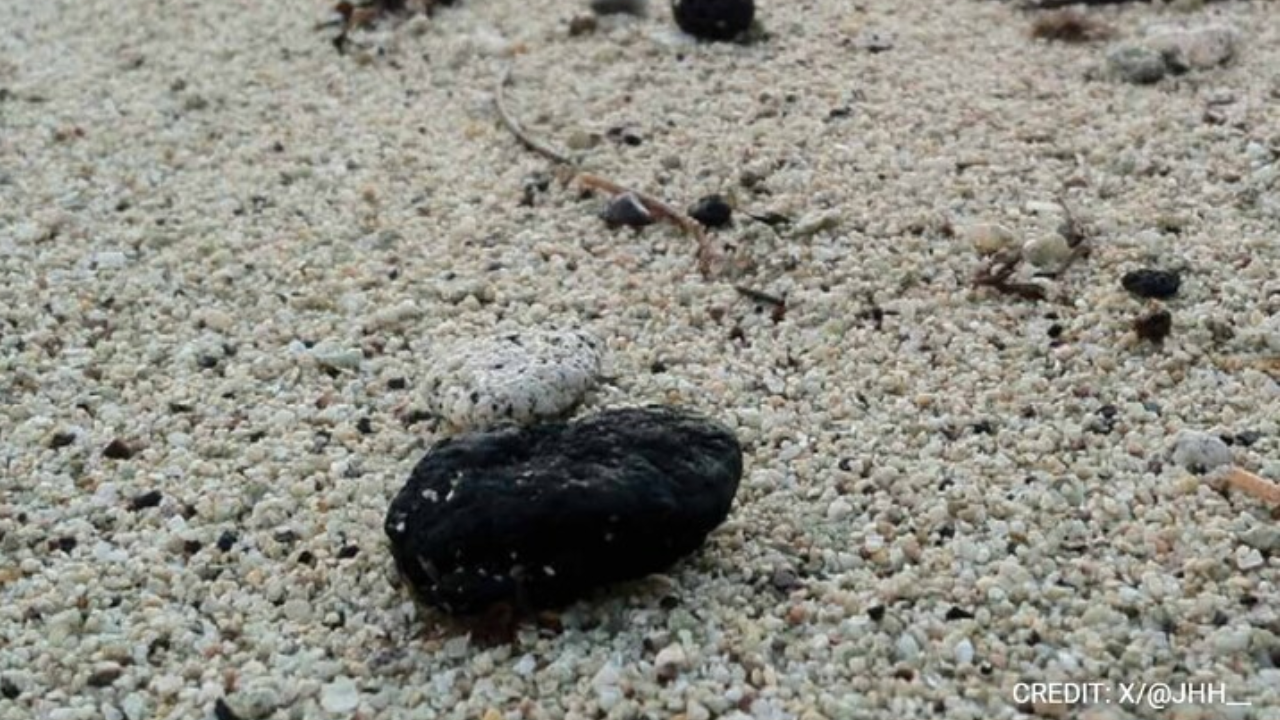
(712, 211)
(714, 19)
(1155, 326)
(1148, 283)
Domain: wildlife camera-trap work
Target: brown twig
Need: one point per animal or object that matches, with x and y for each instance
(1254, 486)
(996, 275)
(514, 126)
(706, 252)
(706, 255)
(760, 296)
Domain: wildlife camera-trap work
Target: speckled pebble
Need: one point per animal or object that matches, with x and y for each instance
(519, 377)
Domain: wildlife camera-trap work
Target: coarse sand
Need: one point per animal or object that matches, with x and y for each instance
(229, 256)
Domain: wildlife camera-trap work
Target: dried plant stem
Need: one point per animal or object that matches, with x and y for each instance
(1254, 486)
(516, 129)
(706, 252)
(659, 209)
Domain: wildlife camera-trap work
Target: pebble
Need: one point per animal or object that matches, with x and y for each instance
(1149, 283)
(1047, 252)
(1200, 452)
(544, 514)
(989, 238)
(712, 211)
(520, 377)
(714, 19)
(1196, 49)
(639, 8)
(1137, 64)
(816, 222)
(626, 210)
(1248, 558)
(340, 696)
(336, 357)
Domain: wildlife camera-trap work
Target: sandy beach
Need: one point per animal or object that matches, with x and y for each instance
(230, 256)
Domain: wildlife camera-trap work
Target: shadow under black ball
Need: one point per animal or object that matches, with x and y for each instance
(714, 19)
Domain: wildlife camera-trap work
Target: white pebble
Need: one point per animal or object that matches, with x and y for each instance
(1047, 252)
(1200, 452)
(340, 696)
(1248, 558)
(964, 652)
(989, 238)
(521, 377)
(839, 509)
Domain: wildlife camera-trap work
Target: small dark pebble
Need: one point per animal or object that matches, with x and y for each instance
(105, 677)
(148, 499)
(714, 19)
(626, 209)
(365, 426)
(349, 551)
(1155, 326)
(207, 362)
(876, 613)
(397, 383)
(657, 367)
(285, 537)
(191, 547)
(712, 211)
(306, 557)
(784, 580)
(227, 540)
(223, 711)
(583, 25)
(61, 440)
(1246, 438)
(984, 427)
(1148, 283)
(65, 544)
(118, 450)
(620, 7)
(957, 613)
(9, 690)
(669, 602)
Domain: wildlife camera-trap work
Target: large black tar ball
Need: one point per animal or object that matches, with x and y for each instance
(714, 19)
(539, 516)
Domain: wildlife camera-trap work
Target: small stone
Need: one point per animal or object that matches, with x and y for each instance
(714, 19)
(873, 41)
(145, 500)
(815, 223)
(548, 512)
(839, 509)
(1154, 326)
(639, 8)
(104, 675)
(111, 260)
(1136, 64)
(340, 696)
(581, 25)
(989, 238)
(1248, 558)
(713, 211)
(1149, 283)
(118, 450)
(670, 661)
(580, 140)
(1200, 452)
(1199, 49)
(516, 377)
(626, 210)
(1047, 252)
(337, 358)
(964, 652)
